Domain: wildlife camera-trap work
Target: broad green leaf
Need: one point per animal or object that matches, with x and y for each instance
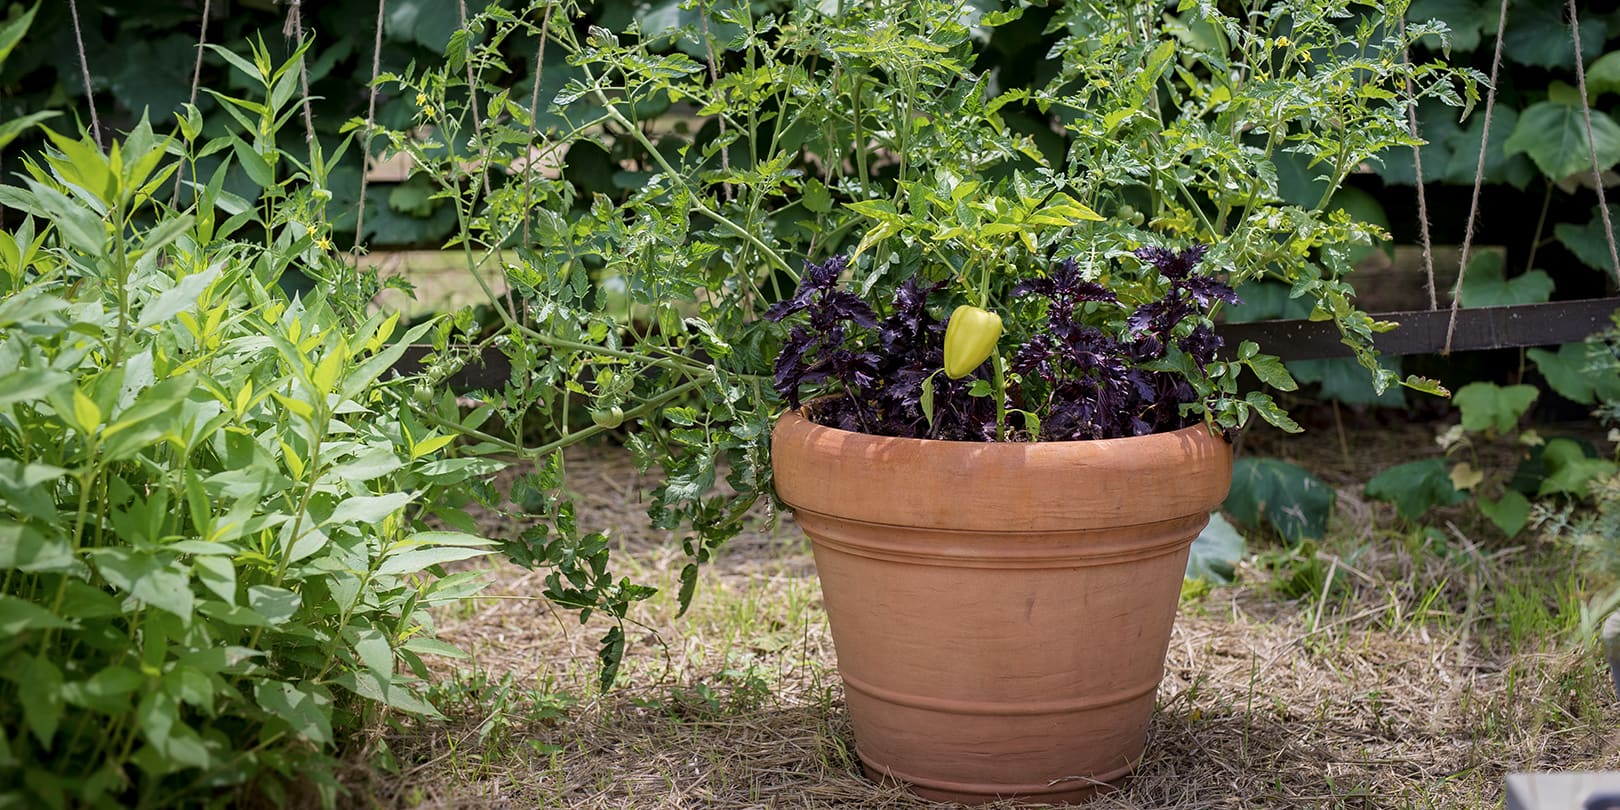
(433, 444)
(275, 604)
(1463, 161)
(689, 578)
(231, 614)
(1272, 372)
(1554, 136)
(1215, 554)
(374, 650)
(10, 130)
(217, 574)
(39, 693)
(17, 615)
(1537, 35)
(1488, 406)
(26, 549)
(1571, 373)
(367, 509)
(1485, 286)
(1292, 501)
(12, 32)
(1603, 75)
(372, 464)
(165, 730)
(373, 367)
(307, 709)
(179, 298)
(106, 691)
(414, 560)
(83, 601)
(439, 538)
(1466, 19)
(189, 685)
(1509, 513)
(253, 163)
(815, 197)
(149, 578)
(1268, 410)
(1570, 470)
(1590, 242)
(432, 646)
(1346, 380)
(1415, 487)
(377, 686)
(86, 414)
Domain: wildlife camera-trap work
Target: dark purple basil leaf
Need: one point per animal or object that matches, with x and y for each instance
(1204, 289)
(1201, 344)
(826, 274)
(911, 297)
(849, 306)
(1173, 264)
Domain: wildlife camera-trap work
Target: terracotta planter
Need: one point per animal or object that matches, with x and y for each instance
(1000, 611)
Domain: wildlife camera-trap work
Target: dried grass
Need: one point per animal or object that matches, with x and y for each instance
(1398, 687)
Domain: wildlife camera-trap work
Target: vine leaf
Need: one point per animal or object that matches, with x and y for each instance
(1216, 552)
(1484, 285)
(1589, 242)
(1569, 372)
(1509, 513)
(1538, 36)
(1279, 494)
(1488, 406)
(1415, 487)
(1554, 136)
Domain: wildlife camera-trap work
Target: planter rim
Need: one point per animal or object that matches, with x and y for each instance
(998, 487)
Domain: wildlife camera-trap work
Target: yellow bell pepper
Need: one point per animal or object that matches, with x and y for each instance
(970, 337)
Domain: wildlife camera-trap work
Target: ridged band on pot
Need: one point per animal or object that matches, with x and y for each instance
(1000, 610)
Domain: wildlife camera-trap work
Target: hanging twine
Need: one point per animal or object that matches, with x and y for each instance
(84, 72)
(371, 131)
(1479, 176)
(295, 29)
(534, 116)
(472, 98)
(714, 78)
(196, 79)
(1417, 168)
(1591, 148)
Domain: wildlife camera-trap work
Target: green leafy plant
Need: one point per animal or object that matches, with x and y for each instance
(741, 145)
(215, 561)
(1540, 151)
(1491, 417)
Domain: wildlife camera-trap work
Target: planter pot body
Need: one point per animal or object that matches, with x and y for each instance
(1000, 611)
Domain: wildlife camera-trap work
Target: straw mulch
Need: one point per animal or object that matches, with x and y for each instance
(1395, 691)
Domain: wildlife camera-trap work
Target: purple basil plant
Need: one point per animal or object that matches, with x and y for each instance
(1096, 368)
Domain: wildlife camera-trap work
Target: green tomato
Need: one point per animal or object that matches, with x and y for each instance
(609, 418)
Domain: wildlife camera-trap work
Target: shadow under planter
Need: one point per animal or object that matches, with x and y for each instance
(1000, 611)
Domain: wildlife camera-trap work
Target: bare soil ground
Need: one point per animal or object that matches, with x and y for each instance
(1384, 667)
